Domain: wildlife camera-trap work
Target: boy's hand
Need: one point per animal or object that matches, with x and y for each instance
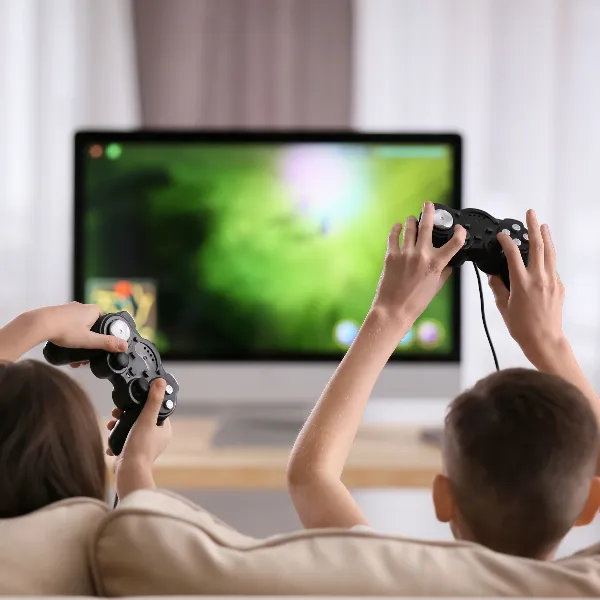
(145, 443)
(414, 272)
(532, 310)
(68, 325)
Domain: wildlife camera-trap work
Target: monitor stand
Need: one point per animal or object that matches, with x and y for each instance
(271, 426)
(433, 436)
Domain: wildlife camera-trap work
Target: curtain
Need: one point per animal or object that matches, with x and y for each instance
(519, 78)
(245, 63)
(64, 64)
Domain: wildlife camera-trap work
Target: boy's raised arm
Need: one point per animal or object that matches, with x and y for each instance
(533, 309)
(412, 275)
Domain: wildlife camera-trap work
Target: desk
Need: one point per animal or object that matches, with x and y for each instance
(382, 457)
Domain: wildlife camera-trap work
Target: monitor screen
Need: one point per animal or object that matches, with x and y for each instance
(256, 246)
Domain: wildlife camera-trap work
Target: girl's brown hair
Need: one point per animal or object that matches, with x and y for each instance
(50, 442)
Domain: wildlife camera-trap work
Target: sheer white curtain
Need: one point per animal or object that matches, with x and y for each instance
(64, 64)
(520, 79)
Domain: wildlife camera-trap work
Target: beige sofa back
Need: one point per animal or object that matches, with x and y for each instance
(47, 552)
(159, 543)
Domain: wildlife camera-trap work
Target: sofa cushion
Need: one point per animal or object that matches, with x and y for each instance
(159, 543)
(47, 552)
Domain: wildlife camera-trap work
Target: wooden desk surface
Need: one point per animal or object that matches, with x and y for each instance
(382, 457)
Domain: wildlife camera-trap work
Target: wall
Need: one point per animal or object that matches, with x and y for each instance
(66, 64)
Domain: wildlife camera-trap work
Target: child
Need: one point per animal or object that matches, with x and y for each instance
(520, 447)
(50, 442)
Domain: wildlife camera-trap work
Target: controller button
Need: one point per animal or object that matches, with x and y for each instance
(477, 238)
(118, 361)
(516, 227)
(526, 237)
(442, 219)
(119, 329)
(140, 389)
(169, 404)
(467, 226)
(506, 232)
(518, 242)
(489, 230)
(169, 389)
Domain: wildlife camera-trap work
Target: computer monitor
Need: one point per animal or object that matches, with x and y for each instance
(251, 258)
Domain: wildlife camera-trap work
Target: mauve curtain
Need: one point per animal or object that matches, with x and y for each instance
(245, 63)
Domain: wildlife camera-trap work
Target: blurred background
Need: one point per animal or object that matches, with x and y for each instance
(517, 78)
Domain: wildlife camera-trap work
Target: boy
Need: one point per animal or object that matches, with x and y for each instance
(520, 447)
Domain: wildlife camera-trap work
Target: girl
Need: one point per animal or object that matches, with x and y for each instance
(50, 443)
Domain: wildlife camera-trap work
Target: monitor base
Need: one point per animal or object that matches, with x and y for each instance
(433, 436)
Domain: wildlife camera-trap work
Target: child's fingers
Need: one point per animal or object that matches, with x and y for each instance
(109, 452)
(111, 425)
(156, 395)
(116, 413)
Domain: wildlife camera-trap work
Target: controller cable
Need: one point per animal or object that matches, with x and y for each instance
(485, 327)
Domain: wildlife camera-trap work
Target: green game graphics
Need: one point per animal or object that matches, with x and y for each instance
(260, 249)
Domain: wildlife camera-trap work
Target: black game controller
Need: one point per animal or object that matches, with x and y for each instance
(130, 372)
(481, 245)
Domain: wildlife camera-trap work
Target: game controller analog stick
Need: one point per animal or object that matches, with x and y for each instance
(118, 362)
(119, 329)
(442, 219)
(131, 373)
(481, 245)
(139, 390)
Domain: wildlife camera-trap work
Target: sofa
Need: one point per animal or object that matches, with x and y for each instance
(157, 543)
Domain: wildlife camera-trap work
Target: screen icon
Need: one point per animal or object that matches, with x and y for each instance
(113, 151)
(137, 297)
(430, 333)
(345, 333)
(408, 339)
(96, 151)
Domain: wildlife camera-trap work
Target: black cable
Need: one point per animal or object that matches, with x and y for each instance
(487, 332)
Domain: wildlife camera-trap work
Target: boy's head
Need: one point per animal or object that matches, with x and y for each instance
(50, 442)
(520, 452)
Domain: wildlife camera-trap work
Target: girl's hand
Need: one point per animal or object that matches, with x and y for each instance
(68, 325)
(145, 443)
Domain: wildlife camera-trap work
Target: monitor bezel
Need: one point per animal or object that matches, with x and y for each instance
(83, 139)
